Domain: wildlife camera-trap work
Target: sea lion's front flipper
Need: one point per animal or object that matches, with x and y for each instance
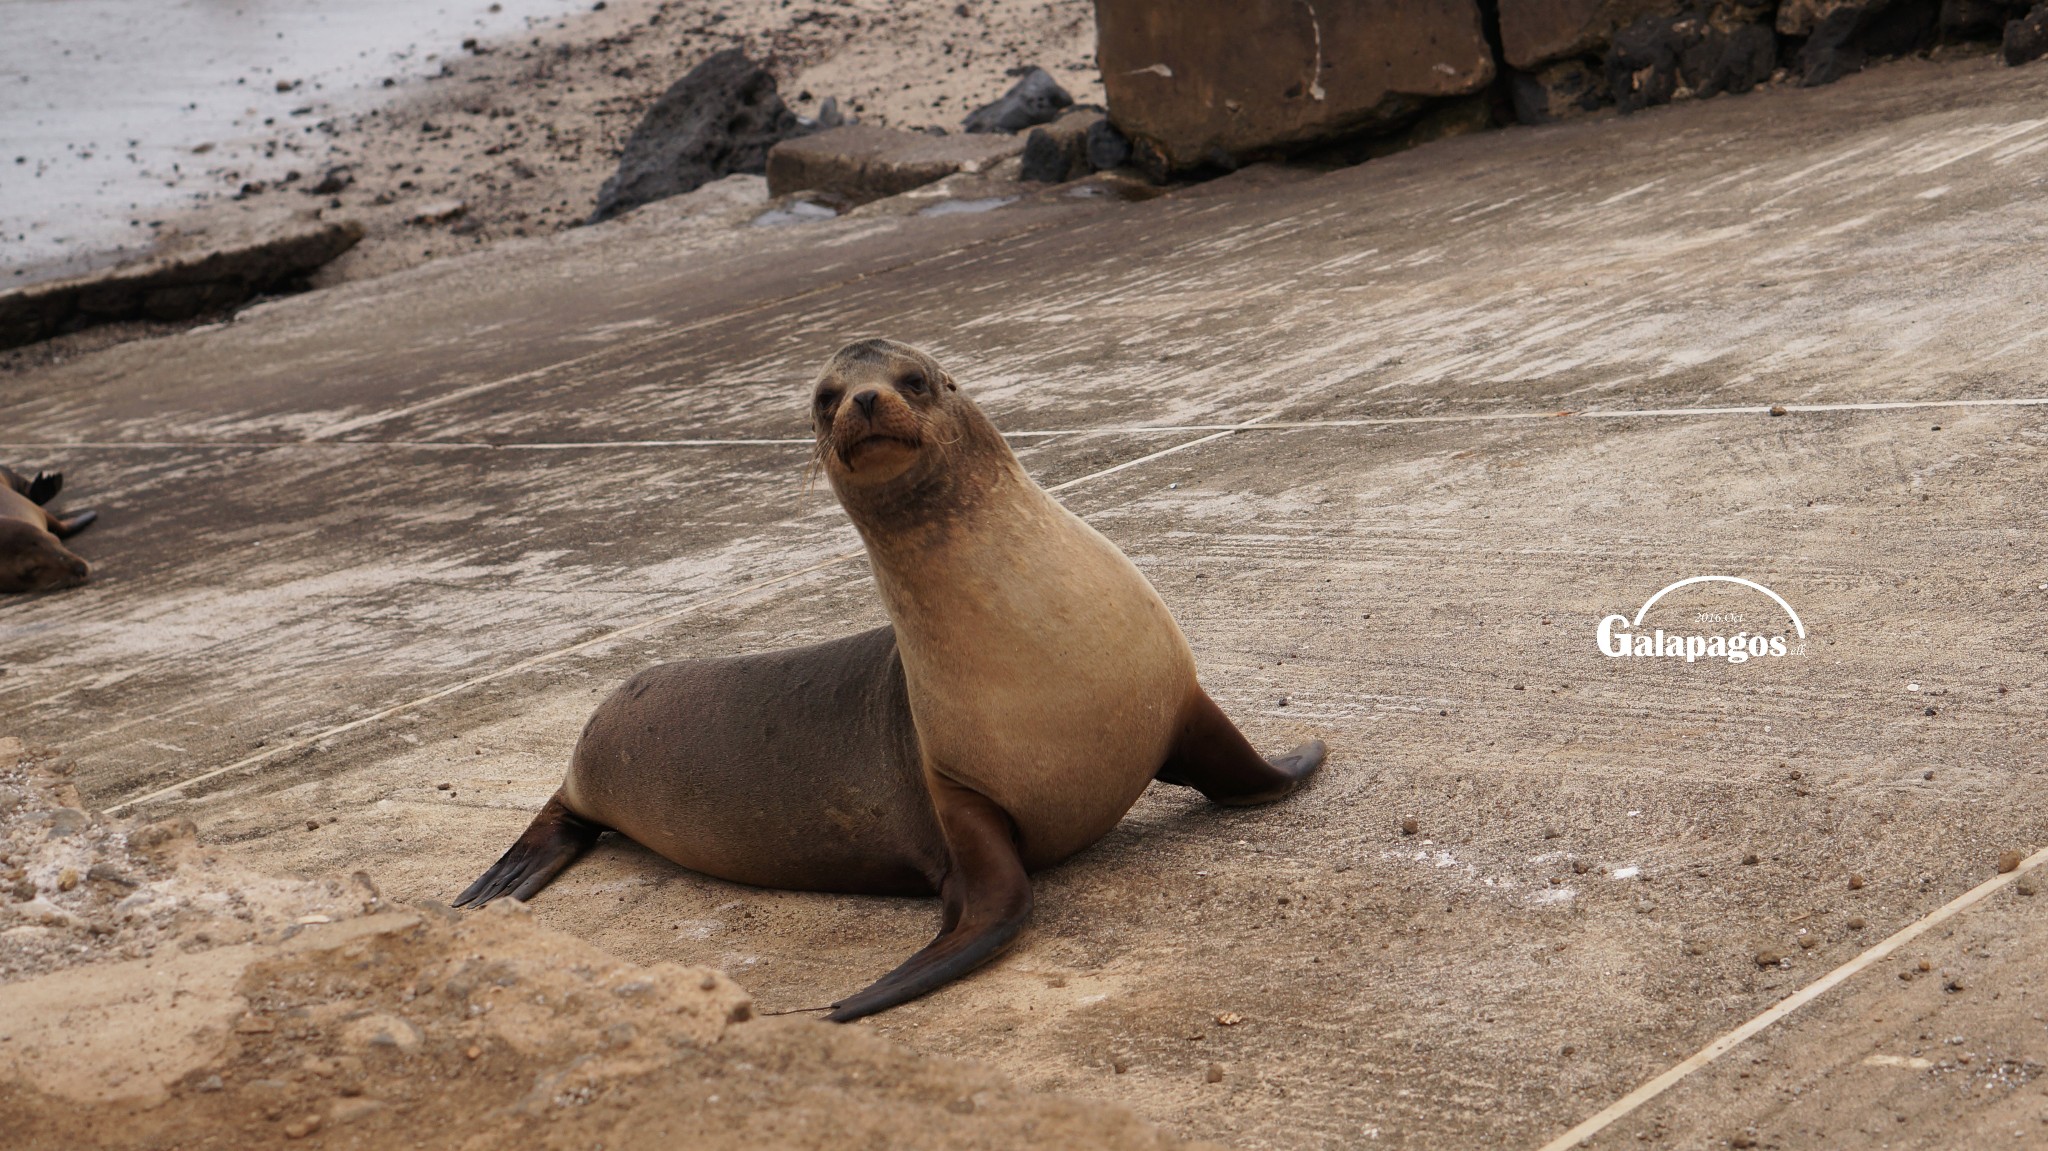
(987, 897)
(44, 487)
(1213, 757)
(551, 842)
(64, 527)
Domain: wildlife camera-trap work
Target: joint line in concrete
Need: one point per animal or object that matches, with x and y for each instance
(1620, 1108)
(1261, 423)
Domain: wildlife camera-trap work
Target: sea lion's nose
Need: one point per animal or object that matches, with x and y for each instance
(866, 402)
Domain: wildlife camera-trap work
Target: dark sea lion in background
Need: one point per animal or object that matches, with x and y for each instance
(31, 558)
(1030, 687)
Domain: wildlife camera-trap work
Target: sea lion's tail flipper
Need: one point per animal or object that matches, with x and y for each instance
(64, 527)
(551, 843)
(987, 897)
(1213, 757)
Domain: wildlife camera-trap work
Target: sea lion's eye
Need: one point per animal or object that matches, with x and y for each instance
(913, 383)
(827, 401)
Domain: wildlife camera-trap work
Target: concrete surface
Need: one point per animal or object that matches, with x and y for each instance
(432, 487)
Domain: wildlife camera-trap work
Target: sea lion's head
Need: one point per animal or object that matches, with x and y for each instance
(896, 433)
(31, 559)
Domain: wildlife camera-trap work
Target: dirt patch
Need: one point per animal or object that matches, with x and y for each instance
(159, 993)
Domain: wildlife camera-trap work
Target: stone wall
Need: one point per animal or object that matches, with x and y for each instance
(1212, 84)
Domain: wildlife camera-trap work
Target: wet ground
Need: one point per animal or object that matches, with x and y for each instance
(1391, 441)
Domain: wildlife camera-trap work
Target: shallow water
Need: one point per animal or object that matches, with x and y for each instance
(107, 106)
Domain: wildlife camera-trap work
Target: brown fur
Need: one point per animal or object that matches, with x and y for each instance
(1030, 686)
(31, 558)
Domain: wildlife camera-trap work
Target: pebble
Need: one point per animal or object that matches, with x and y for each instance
(2009, 861)
(443, 786)
(1749, 859)
(1808, 942)
(1119, 1066)
(1215, 1073)
(2024, 887)
(1229, 1019)
(1857, 923)
(1768, 958)
(300, 1128)
(1777, 409)
(312, 825)
(1924, 965)
(68, 878)
(1580, 867)
(1410, 827)
(1855, 882)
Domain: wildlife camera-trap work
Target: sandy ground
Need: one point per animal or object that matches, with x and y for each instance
(522, 133)
(401, 534)
(154, 992)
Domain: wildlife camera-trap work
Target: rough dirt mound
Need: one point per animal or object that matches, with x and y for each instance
(158, 994)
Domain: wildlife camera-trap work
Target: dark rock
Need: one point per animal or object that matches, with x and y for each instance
(2027, 39)
(1557, 91)
(859, 163)
(720, 119)
(334, 180)
(1536, 32)
(174, 287)
(1058, 152)
(1978, 20)
(1850, 35)
(1183, 86)
(1036, 99)
(1107, 147)
(1658, 59)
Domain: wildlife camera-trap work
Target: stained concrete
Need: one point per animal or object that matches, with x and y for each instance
(457, 483)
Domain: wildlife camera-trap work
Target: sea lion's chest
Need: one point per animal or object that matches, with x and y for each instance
(1044, 672)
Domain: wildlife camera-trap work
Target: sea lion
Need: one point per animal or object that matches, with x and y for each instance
(31, 559)
(1029, 687)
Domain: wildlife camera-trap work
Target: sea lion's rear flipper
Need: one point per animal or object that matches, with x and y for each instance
(1213, 757)
(551, 843)
(44, 487)
(987, 898)
(64, 527)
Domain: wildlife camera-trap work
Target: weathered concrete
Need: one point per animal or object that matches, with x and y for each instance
(177, 285)
(365, 499)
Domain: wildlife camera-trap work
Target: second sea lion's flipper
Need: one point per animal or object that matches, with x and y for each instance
(987, 898)
(1213, 757)
(551, 842)
(64, 527)
(44, 487)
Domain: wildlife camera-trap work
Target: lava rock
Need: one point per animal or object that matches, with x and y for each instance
(1658, 59)
(1557, 92)
(1978, 20)
(1536, 32)
(1058, 152)
(1185, 89)
(2027, 39)
(1107, 147)
(1852, 34)
(1036, 99)
(721, 118)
